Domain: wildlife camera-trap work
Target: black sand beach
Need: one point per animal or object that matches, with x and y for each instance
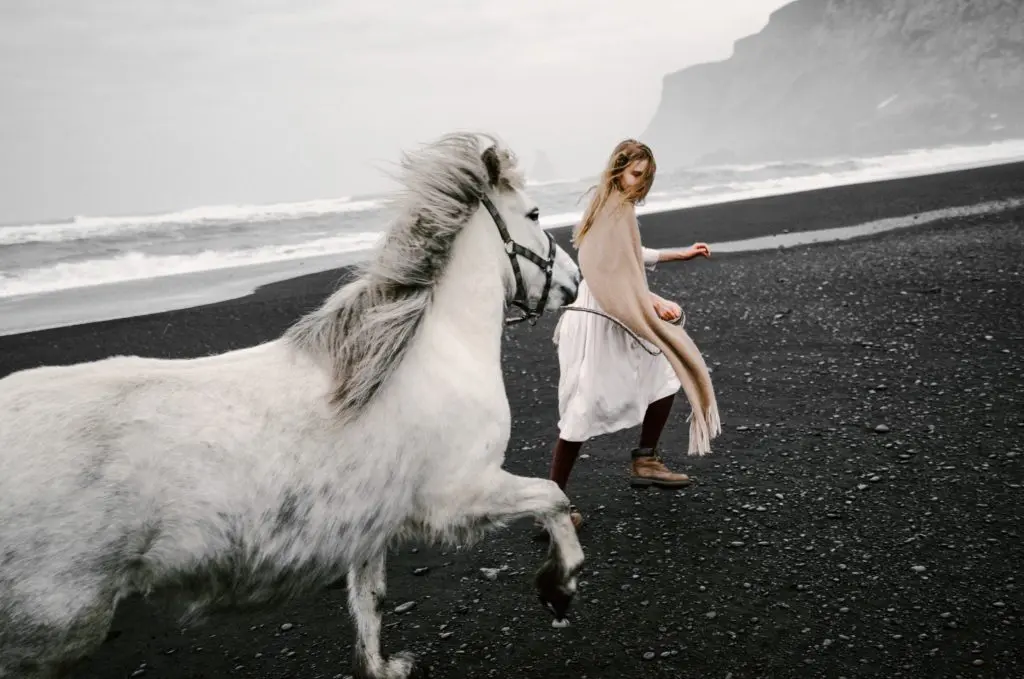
(814, 542)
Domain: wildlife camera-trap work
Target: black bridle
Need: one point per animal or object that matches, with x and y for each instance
(514, 251)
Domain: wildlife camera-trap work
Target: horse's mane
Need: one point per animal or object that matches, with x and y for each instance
(365, 328)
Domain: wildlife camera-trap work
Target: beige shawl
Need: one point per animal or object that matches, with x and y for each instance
(611, 262)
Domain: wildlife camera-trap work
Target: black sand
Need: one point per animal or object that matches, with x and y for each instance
(810, 545)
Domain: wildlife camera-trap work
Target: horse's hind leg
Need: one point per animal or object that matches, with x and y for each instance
(34, 645)
(366, 590)
(501, 497)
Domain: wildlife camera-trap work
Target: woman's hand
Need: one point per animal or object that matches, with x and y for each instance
(666, 310)
(695, 250)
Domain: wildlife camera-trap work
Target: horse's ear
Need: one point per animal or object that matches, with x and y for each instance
(493, 165)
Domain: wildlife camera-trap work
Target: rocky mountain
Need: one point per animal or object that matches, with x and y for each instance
(842, 77)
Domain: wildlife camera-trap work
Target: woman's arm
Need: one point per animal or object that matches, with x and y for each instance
(679, 254)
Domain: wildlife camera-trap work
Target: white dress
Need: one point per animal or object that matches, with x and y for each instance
(606, 380)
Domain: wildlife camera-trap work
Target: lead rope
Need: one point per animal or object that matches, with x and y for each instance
(637, 339)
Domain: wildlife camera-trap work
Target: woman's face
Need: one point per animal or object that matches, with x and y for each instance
(634, 172)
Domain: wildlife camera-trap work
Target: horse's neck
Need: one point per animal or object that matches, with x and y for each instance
(470, 297)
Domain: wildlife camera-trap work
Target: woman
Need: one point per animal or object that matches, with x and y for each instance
(607, 380)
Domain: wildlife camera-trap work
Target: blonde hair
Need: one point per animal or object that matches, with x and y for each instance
(625, 154)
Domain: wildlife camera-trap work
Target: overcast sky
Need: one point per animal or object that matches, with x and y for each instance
(125, 106)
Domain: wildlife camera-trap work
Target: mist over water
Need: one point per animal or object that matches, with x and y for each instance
(88, 251)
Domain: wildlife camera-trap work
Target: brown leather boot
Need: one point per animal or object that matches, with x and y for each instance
(576, 517)
(649, 470)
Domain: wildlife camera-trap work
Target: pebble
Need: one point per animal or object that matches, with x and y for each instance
(560, 624)
(919, 569)
(882, 429)
(406, 607)
(287, 626)
(649, 655)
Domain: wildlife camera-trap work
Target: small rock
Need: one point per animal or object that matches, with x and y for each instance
(405, 608)
(287, 626)
(422, 570)
(919, 569)
(559, 624)
(490, 573)
(882, 429)
(649, 655)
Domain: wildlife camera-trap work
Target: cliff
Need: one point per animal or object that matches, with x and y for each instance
(842, 77)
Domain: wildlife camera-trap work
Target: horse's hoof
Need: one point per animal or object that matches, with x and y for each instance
(554, 589)
(405, 665)
(402, 665)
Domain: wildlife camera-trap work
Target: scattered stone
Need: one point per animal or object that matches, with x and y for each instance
(882, 429)
(405, 608)
(919, 569)
(287, 626)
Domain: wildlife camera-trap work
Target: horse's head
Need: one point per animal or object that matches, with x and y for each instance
(540, 273)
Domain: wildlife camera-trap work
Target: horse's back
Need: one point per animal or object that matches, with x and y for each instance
(70, 433)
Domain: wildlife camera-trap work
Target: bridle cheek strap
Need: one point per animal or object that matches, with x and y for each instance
(514, 251)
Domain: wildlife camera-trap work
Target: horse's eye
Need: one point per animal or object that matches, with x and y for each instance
(533, 215)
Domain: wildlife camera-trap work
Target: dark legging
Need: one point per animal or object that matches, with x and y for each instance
(566, 452)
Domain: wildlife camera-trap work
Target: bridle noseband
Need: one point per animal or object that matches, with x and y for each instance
(514, 251)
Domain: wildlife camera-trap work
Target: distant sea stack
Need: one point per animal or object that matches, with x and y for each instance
(543, 170)
(850, 77)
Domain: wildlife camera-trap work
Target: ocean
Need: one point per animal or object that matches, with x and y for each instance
(228, 242)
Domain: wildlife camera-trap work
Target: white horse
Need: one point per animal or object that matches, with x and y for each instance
(247, 478)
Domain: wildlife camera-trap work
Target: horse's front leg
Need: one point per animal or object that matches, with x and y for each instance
(501, 497)
(366, 590)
